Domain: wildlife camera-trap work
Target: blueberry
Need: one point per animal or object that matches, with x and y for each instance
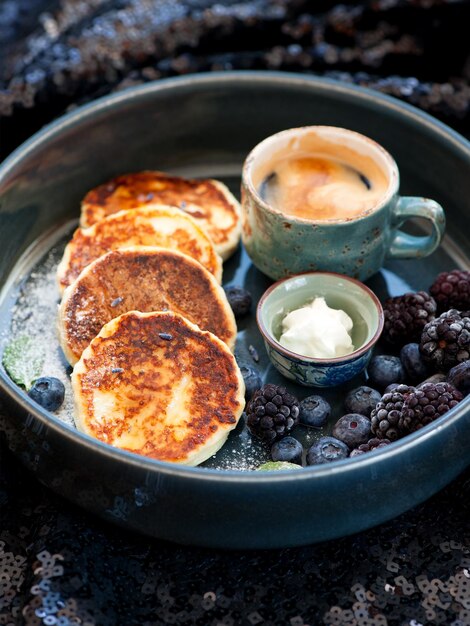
(459, 376)
(353, 429)
(326, 450)
(390, 388)
(384, 370)
(48, 392)
(252, 380)
(239, 299)
(314, 411)
(287, 449)
(415, 368)
(362, 400)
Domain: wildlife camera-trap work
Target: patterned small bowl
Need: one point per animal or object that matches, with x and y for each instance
(340, 292)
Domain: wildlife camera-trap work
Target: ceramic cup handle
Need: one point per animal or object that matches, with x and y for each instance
(405, 246)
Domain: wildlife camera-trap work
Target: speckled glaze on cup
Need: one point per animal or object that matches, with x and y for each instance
(282, 245)
(340, 292)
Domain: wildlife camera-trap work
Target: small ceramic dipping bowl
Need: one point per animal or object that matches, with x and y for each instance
(340, 292)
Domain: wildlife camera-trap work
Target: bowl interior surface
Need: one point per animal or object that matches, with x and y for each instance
(339, 293)
(204, 126)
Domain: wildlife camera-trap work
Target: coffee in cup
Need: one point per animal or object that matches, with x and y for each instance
(319, 187)
(326, 198)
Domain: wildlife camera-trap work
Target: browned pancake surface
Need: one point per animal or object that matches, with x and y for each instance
(208, 201)
(142, 279)
(154, 384)
(149, 226)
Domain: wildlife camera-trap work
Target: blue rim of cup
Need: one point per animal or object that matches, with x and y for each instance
(300, 357)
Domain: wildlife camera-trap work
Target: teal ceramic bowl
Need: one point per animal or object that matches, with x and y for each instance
(340, 292)
(205, 125)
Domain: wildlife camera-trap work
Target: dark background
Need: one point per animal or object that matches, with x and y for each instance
(60, 566)
(56, 54)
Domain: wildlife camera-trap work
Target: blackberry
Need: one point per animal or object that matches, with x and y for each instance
(384, 369)
(352, 429)
(362, 400)
(422, 406)
(372, 444)
(445, 341)
(272, 412)
(451, 290)
(49, 392)
(239, 299)
(405, 317)
(385, 418)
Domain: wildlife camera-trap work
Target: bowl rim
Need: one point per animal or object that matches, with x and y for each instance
(218, 81)
(347, 358)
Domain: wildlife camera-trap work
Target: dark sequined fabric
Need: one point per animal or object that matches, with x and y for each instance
(60, 566)
(57, 53)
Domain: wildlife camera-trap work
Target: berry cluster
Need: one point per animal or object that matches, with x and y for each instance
(428, 377)
(377, 422)
(407, 409)
(437, 323)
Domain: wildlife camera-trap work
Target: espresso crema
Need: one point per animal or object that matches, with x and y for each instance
(322, 188)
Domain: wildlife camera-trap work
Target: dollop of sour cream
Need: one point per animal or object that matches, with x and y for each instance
(318, 331)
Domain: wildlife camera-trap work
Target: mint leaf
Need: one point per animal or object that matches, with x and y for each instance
(23, 361)
(270, 466)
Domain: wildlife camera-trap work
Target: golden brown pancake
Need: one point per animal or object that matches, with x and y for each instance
(157, 225)
(157, 385)
(141, 279)
(208, 201)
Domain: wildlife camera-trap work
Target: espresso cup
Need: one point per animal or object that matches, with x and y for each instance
(326, 198)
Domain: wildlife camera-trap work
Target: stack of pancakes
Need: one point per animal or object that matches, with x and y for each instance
(143, 318)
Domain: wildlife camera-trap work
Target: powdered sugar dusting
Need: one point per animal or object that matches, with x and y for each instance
(240, 452)
(34, 315)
